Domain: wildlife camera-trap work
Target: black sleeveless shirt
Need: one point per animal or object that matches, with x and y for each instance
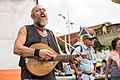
(34, 37)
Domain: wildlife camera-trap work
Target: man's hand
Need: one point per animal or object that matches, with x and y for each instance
(94, 73)
(79, 73)
(77, 60)
(45, 54)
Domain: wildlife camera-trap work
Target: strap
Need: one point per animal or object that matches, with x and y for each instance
(81, 48)
(76, 47)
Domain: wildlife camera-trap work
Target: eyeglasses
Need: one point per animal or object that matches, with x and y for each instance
(90, 39)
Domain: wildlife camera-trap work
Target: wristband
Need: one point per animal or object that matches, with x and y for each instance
(36, 52)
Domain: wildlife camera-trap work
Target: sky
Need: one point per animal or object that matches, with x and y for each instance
(84, 13)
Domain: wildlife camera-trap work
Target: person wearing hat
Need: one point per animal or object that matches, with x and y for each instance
(86, 68)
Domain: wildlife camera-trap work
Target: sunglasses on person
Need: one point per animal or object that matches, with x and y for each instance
(91, 39)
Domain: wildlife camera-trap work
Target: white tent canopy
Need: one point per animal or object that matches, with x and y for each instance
(13, 15)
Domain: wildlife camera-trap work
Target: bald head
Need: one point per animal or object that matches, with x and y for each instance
(39, 15)
(36, 8)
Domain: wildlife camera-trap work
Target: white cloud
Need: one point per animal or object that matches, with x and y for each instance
(81, 12)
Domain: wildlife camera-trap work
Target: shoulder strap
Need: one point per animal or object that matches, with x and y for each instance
(80, 47)
(76, 47)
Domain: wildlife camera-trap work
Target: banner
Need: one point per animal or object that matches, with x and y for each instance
(13, 15)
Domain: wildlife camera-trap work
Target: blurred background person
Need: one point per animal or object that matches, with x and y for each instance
(103, 67)
(114, 60)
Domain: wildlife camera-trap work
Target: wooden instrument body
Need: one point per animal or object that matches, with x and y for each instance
(39, 67)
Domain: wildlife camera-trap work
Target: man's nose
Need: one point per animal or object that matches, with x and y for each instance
(43, 10)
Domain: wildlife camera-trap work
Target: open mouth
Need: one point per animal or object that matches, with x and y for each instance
(42, 15)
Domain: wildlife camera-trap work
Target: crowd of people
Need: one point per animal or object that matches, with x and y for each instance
(84, 65)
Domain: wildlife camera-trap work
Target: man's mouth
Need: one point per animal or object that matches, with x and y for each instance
(42, 15)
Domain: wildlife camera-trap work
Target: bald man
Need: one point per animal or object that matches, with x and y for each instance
(37, 33)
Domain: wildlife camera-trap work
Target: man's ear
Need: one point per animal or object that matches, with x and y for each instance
(32, 16)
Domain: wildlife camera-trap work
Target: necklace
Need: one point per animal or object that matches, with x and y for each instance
(40, 29)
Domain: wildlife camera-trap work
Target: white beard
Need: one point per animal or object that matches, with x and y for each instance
(42, 22)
